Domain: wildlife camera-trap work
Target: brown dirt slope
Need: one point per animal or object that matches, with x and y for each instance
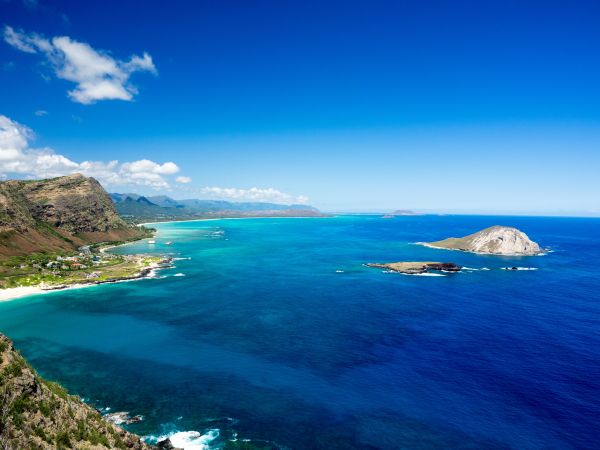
(57, 214)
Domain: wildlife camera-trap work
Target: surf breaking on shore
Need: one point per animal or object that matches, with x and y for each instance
(25, 291)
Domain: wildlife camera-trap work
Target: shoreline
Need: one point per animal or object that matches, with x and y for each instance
(146, 272)
(26, 291)
(231, 218)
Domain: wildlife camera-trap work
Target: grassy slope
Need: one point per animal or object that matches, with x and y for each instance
(35, 413)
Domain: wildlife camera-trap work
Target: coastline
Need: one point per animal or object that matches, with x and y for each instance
(233, 218)
(146, 272)
(26, 291)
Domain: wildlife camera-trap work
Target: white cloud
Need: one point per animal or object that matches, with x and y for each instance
(183, 179)
(97, 75)
(18, 157)
(252, 194)
(147, 166)
(41, 112)
(19, 41)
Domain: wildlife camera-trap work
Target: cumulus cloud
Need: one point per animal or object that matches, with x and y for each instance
(183, 179)
(96, 74)
(253, 194)
(17, 156)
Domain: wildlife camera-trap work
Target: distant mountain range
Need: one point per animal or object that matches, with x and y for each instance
(139, 208)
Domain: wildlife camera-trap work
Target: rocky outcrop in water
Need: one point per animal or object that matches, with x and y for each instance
(417, 267)
(38, 414)
(496, 240)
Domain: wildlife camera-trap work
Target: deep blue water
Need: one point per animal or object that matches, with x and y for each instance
(277, 332)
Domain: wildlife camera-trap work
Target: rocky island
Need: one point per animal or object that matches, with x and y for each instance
(400, 212)
(417, 267)
(496, 240)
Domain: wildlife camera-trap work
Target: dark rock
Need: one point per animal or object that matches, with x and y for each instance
(446, 267)
(167, 445)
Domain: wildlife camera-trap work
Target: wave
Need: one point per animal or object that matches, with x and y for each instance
(519, 268)
(179, 274)
(339, 271)
(425, 274)
(182, 259)
(187, 440)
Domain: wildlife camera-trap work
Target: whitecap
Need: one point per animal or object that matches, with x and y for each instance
(188, 440)
(339, 271)
(519, 268)
(179, 274)
(425, 274)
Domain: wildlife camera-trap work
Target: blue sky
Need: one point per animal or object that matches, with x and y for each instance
(446, 106)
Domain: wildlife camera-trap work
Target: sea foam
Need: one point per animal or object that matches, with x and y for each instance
(188, 440)
(425, 274)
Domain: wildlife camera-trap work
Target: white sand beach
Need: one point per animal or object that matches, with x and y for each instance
(12, 293)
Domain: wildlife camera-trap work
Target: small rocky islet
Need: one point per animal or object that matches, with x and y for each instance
(417, 267)
(495, 240)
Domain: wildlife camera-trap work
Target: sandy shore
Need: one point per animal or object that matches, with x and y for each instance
(24, 291)
(12, 293)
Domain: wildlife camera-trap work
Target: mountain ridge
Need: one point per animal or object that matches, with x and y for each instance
(57, 214)
(139, 208)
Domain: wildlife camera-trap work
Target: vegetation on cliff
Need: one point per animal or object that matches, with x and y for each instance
(39, 414)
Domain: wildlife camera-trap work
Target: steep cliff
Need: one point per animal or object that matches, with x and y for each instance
(38, 414)
(496, 240)
(57, 214)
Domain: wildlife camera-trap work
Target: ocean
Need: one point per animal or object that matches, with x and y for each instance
(273, 330)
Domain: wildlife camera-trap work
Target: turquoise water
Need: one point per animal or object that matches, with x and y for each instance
(273, 330)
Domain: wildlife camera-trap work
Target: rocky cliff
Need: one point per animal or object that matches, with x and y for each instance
(496, 240)
(37, 414)
(57, 214)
